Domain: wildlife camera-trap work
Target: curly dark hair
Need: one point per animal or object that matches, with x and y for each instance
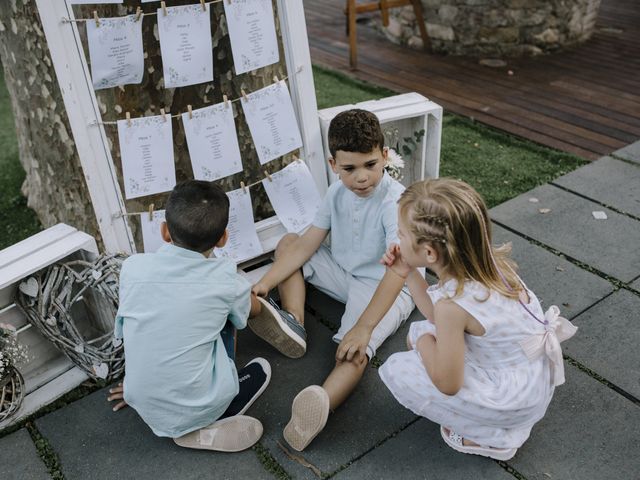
(355, 131)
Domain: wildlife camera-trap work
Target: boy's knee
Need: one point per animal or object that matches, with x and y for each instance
(285, 242)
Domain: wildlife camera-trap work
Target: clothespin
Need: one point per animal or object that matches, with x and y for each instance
(226, 100)
(164, 115)
(190, 112)
(244, 95)
(266, 174)
(244, 187)
(275, 78)
(128, 119)
(138, 13)
(296, 159)
(151, 212)
(163, 5)
(96, 18)
(204, 7)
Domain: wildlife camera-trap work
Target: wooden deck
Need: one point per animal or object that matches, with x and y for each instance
(585, 100)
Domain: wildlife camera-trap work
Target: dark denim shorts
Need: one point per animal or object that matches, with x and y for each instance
(228, 338)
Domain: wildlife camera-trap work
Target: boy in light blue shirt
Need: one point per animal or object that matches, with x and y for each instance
(177, 317)
(359, 213)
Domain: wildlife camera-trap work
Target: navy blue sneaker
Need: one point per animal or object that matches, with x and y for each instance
(253, 379)
(280, 329)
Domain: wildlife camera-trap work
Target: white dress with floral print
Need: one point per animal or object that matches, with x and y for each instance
(504, 392)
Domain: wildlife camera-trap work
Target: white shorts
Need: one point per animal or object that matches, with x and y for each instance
(322, 271)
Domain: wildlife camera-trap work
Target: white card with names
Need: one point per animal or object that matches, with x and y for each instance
(146, 150)
(272, 121)
(252, 31)
(151, 237)
(185, 44)
(243, 242)
(115, 50)
(213, 142)
(293, 195)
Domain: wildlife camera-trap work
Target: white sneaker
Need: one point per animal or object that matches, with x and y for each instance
(232, 434)
(309, 413)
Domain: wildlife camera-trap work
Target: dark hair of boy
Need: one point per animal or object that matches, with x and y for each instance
(355, 131)
(197, 213)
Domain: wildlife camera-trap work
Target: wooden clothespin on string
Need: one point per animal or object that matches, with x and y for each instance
(225, 99)
(275, 78)
(96, 18)
(128, 116)
(190, 112)
(268, 175)
(151, 207)
(244, 187)
(163, 5)
(164, 115)
(138, 13)
(244, 95)
(204, 7)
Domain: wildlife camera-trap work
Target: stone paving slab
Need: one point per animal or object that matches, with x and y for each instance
(93, 442)
(607, 340)
(610, 246)
(630, 152)
(608, 181)
(19, 459)
(636, 285)
(589, 432)
(554, 280)
(349, 432)
(418, 452)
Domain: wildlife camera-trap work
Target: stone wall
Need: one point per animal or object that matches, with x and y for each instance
(496, 27)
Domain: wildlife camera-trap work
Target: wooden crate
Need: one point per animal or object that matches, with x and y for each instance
(48, 374)
(406, 114)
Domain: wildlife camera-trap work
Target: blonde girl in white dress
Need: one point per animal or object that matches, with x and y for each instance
(485, 363)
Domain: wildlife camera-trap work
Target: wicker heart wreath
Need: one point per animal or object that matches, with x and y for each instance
(74, 305)
(11, 393)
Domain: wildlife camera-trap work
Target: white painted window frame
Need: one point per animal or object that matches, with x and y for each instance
(92, 142)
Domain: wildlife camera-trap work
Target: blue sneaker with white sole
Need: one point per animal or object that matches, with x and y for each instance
(280, 329)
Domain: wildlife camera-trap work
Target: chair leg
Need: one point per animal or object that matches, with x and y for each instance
(353, 47)
(417, 9)
(385, 12)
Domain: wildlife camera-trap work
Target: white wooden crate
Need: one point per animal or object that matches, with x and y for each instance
(408, 112)
(48, 374)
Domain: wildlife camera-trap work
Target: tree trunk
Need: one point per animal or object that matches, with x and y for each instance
(55, 184)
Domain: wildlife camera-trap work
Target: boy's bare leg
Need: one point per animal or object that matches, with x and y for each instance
(342, 380)
(292, 290)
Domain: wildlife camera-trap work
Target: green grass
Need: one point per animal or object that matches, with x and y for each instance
(498, 165)
(17, 221)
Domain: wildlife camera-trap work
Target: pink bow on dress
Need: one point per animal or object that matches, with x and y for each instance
(557, 329)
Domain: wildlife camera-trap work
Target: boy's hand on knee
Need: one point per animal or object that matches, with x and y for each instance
(117, 393)
(260, 289)
(354, 344)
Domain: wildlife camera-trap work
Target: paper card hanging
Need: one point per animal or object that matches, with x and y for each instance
(252, 31)
(213, 142)
(293, 195)
(151, 237)
(146, 151)
(185, 44)
(272, 121)
(116, 52)
(243, 243)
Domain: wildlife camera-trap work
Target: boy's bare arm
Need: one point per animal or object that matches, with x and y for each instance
(298, 253)
(356, 340)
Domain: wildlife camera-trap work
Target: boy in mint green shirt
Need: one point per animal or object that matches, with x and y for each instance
(177, 317)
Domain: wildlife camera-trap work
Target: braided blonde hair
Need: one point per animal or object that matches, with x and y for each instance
(452, 217)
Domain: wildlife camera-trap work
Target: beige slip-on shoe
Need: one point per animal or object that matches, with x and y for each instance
(232, 434)
(309, 413)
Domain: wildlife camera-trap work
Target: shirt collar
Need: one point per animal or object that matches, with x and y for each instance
(176, 251)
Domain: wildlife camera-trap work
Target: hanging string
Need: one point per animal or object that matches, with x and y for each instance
(179, 115)
(243, 186)
(80, 20)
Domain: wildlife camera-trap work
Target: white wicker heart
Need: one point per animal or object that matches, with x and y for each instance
(74, 305)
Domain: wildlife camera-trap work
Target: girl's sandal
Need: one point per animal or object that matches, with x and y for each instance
(455, 441)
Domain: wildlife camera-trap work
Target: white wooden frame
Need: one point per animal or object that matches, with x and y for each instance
(49, 374)
(91, 140)
(398, 107)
